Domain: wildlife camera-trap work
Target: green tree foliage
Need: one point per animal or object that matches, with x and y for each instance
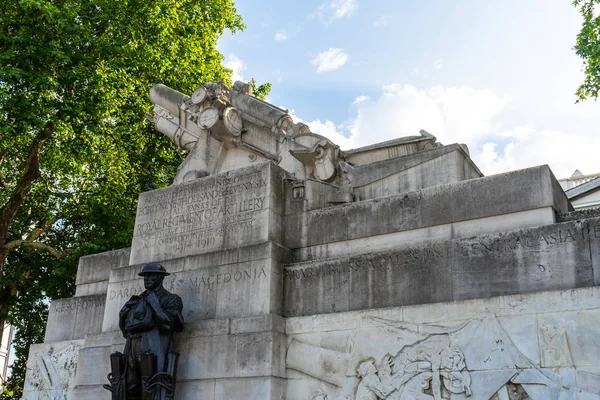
(588, 47)
(75, 149)
(260, 91)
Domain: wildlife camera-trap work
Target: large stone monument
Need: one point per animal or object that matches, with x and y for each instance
(393, 271)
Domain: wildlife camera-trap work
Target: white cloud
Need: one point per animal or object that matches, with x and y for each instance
(278, 75)
(360, 99)
(235, 64)
(465, 115)
(452, 114)
(280, 36)
(343, 8)
(328, 129)
(330, 59)
(563, 151)
(382, 21)
(336, 9)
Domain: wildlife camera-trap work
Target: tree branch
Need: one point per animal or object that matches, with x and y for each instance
(10, 246)
(55, 252)
(30, 174)
(38, 246)
(41, 228)
(2, 183)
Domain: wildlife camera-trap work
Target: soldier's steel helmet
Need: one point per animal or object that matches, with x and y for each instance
(153, 269)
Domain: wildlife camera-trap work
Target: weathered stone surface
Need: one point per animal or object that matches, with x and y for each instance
(579, 215)
(93, 366)
(594, 229)
(201, 389)
(51, 370)
(207, 358)
(389, 149)
(216, 356)
(438, 166)
(75, 317)
(251, 389)
(512, 192)
(234, 209)
(437, 233)
(89, 392)
(207, 327)
(388, 298)
(260, 354)
(261, 323)
(551, 257)
(486, 348)
(239, 282)
(93, 271)
(412, 276)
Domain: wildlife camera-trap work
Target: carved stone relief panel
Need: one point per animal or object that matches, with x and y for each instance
(474, 360)
(51, 373)
(511, 391)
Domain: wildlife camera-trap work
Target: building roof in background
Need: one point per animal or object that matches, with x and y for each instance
(584, 188)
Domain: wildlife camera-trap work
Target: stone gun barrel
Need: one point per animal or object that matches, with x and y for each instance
(174, 125)
(250, 105)
(167, 98)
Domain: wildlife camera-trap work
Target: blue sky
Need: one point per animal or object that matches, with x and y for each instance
(499, 76)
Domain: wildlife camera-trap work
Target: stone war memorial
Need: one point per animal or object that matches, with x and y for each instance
(309, 272)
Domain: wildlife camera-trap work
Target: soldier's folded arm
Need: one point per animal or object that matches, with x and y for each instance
(167, 316)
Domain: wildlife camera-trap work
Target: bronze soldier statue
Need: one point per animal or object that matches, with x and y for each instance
(147, 367)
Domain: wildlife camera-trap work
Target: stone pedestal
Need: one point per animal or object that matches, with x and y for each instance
(456, 287)
(394, 271)
(220, 238)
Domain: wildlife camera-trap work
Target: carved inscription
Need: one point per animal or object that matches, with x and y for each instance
(533, 240)
(60, 307)
(198, 216)
(125, 293)
(195, 281)
(210, 280)
(411, 257)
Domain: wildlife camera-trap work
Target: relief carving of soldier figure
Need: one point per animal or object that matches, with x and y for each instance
(371, 386)
(147, 368)
(429, 370)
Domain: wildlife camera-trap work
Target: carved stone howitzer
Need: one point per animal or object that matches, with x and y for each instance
(225, 128)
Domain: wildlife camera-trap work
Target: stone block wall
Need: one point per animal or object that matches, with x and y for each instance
(537, 346)
(289, 287)
(558, 256)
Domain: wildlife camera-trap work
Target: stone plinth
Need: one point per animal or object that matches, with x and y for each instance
(238, 282)
(538, 346)
(309, 289)
(519, 199)
(558, 256)
(438, 166)
(307, 272)
(75, 317)
(93, 271)
(233, 209)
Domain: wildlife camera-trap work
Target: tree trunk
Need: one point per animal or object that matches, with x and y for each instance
(31, 173)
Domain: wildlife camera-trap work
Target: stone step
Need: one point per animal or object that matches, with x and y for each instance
(551, 257)
(520, 199)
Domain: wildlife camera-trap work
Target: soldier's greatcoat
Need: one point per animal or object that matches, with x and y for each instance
(148, 325)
